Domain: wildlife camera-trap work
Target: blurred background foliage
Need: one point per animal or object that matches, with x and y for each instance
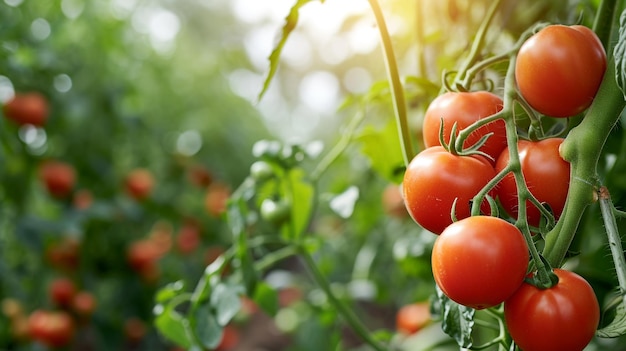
(172, 87)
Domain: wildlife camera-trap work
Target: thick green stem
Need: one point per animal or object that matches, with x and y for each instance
(397, 90)
(603, 22)
(582, 148)
(615, 241)
(345, 311)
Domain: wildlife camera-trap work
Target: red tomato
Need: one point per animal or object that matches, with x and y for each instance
(215, 199)
(563, 317)
(435, 178)
(559, 69)
(480, 261)
(84, 303)
(546, 175)
(27, 108)
(188, 238)
(230, 339)
(142, 255)
(412, 317)
(135, 329)
(464, 109)
(62, 291)
(58, 177)
(51, 328)
(139, 183)
(65, 254)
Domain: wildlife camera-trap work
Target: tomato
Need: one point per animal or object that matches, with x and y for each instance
(215, 199)
(546, 175)
(188, 238)
(230, 339)
(84, 303)
(142, 255)
(62, 291)
(435, 178)
(393, 202)
(199, 176)
(412, 317)
(135, 329)
(559, 69)
(139, 183)
(51, 328)
(57, 177)
(27, 108)
(563, 317)
(480, 261)
(465, 108)
(65, 254)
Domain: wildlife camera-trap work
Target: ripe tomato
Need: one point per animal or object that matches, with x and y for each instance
(27, 108)
(563, 317)
(139, 183)
(412, 317)
(230, 339)
(435, 178)
(188, 238)
(215, 199)
(57, 177)
(546, 175)
(480, 261)
(393, 203)
(559, 69)
(65, 254)
(135, 329)
(465, 108)
(142, 255)
(84, 303)
(62, 291)
(51, 328)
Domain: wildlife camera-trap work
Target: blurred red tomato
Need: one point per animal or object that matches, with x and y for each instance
(27, 108)
(139, 183)
(57, 177)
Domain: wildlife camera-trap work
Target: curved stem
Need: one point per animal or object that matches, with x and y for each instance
(603, 23)
(345, 311)
(397, 91)
(477, 45)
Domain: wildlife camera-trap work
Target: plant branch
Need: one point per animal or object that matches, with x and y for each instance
(397, 90)
(615, 241)
(345, 311)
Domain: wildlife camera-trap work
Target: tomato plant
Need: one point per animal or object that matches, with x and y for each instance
(463, 109)
(480, 261)
(546, 175)
(436, 179)
(559, 69)
(564, 316)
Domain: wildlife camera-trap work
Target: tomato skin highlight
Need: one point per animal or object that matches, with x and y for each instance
(546, 175)
(559, 69)
(465, 108)
(480, 261)
(563, 317)
(435, 178)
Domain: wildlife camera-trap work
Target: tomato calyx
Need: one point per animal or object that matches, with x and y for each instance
(544, 277)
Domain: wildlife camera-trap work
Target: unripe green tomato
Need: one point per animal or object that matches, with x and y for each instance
(275, 212)
(261, 171)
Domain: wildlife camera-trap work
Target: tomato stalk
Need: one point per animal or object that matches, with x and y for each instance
(345, 311)
(615, 241)
(397, 90)
(582, 148)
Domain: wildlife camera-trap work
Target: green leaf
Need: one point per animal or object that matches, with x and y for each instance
(617, 327)
(169, 291)
(301, 194)
(266, 298)
(172, 325)
(382, 148)
(207, 329)
(458, 320)
(620, 54)
(226, 301)
(290, 24)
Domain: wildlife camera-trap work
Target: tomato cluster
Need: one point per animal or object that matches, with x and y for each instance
(480, 259)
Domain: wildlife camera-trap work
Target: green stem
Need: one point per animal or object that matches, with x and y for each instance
(477, 46)
(346, 312)
(339, 148)
(603, 23)
(615, 241)
(582, 148)
(397, 90)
